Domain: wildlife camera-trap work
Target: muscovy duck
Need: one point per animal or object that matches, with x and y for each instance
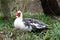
(29, 24)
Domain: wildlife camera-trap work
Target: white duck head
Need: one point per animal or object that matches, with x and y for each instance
(19, 14)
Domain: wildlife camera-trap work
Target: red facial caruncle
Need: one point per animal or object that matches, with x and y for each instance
(18, 14)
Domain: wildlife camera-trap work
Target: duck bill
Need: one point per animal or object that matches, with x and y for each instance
(16, 16)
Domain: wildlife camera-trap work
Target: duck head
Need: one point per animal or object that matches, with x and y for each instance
(19, 14)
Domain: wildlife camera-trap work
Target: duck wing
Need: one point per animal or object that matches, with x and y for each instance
(35, 24)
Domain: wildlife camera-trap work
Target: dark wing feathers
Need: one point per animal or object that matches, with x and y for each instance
(30, 20)
(40, 27)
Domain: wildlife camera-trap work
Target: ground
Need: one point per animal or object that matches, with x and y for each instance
(8, 32)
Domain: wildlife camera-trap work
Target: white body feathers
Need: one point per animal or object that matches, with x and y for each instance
(18, 23)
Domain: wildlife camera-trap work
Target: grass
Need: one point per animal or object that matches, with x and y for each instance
(10, 33)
